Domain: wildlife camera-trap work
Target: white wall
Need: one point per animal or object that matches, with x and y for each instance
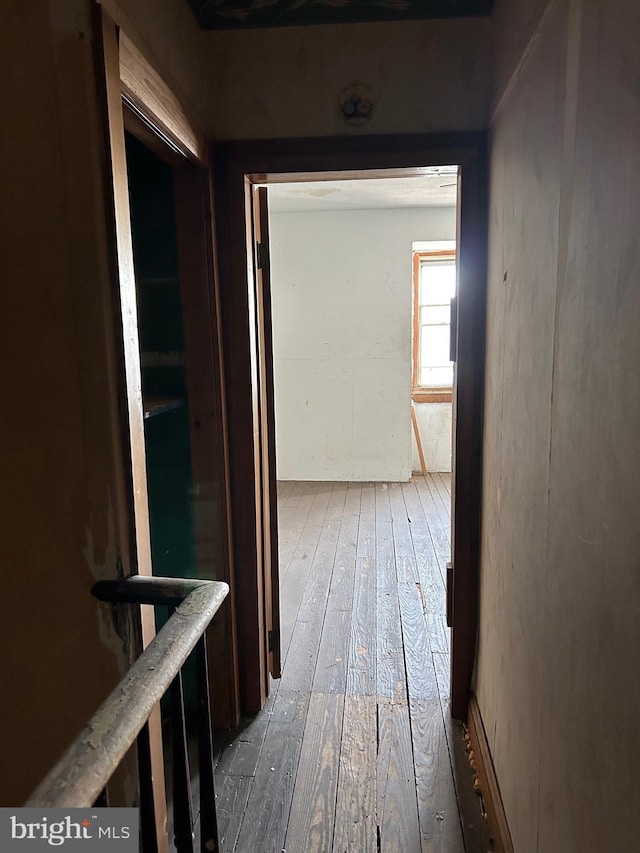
(342, 291)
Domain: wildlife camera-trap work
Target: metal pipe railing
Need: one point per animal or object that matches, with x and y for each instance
(87, 765)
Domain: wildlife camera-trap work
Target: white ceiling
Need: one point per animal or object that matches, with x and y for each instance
(437, 188)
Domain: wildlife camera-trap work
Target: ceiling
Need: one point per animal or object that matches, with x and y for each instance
(245, 14)
(437, 188)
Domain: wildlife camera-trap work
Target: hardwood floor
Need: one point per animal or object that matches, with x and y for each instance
(355, 750)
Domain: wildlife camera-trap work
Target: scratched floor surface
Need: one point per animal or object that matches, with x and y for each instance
(355, 750)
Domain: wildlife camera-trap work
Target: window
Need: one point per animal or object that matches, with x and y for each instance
(434, 286)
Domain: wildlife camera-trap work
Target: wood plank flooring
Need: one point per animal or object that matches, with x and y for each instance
(355, 749)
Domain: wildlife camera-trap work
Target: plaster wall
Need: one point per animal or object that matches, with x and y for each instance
(342, 295)
(287, 82)
(560, 583)
(514, 29)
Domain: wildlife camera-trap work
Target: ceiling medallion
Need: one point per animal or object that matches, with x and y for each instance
(357, 105)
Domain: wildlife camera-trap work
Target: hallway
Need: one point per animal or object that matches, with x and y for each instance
(362, 706)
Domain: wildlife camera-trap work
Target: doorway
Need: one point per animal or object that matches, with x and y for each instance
(241, 166)
(362, 370)
(357, 725)
(170, 362)
(182, 460)
(170, 480)
(356, 400)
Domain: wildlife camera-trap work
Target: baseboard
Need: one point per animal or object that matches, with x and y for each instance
(496, 817)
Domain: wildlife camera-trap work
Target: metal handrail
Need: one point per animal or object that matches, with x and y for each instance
(87, 765)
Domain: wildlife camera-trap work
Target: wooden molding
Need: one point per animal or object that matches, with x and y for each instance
(119, 218)
(432, 395)
(415, 365)
(496, 816)
(207, 441)
(148, 134)
(146, 93)
(267, 431)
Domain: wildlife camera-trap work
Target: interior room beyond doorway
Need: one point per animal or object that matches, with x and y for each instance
(342, 257)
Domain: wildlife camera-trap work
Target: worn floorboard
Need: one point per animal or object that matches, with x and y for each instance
(397, 808)
(231, 801)
(312, 817)
(355, 820)
(355, 751)
(437, 525)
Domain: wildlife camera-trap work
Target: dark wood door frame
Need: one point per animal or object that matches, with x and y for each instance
(254, 161)
(207, 434)
(134, 97)
(268, 484)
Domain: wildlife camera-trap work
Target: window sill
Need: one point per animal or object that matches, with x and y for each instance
(432, 395)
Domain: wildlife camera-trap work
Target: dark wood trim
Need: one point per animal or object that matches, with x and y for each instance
(143, 130)
(260, 462)
(126, 296)
(489, 787)
(272, 160)
(207, 439)
(152, 113)
(468, 423)
(104, 34)
(141, 622)
(146, 92)
(267, 430)
(229, 206)
(224, 430)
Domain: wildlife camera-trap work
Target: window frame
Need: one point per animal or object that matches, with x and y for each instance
(421, 393)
